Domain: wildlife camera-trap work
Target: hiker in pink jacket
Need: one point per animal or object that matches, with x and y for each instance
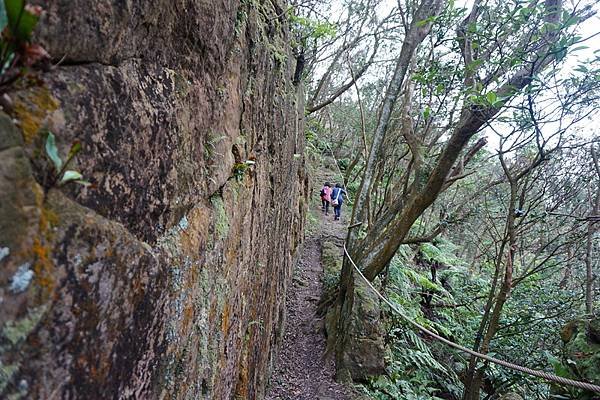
(326, 197)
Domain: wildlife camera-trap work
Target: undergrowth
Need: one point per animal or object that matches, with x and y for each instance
(417, 368)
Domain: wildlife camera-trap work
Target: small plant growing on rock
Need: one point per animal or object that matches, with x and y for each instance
(60, 175)
(239, 169)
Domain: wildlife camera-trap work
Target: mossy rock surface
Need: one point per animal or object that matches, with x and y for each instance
(582, 349)
(364, 356)
(567, 331)
(331, 259)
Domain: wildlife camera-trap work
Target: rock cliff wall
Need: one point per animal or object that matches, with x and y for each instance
(166, 278)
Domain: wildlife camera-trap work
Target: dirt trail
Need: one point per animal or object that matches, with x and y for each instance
(302, 372)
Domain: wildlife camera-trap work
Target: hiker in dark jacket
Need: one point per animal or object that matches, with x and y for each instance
(337, 199)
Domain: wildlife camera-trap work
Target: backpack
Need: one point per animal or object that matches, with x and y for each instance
(322, 192)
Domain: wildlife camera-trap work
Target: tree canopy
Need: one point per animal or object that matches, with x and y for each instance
(467, 142)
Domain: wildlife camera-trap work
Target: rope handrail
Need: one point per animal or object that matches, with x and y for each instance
(534, 372)
(540, 374)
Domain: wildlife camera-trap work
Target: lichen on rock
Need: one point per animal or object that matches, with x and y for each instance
(151, 278)
(16, 331)
(21, 279)
(221, 218)
(4, 252)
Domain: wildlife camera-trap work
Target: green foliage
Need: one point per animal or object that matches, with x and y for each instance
(421, 280)
(21, 20)
(278, 53)
(441, 252)
(559, 368)
(3, 16)
(415, 370)
(431, 253)
(439, 288)
(312, 223)
(60, 176)
(17, 23)
(316, 144)
(240, 21)
(310, 29)
(239, 170)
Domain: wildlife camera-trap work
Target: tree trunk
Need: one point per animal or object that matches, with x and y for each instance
(589, 261)
(474, 382)
(383, 239)
(415, 35)
(589, 266)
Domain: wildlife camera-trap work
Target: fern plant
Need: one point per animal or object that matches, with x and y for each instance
(417, 368)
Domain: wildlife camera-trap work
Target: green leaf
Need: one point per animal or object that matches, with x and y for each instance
(21, 22)
(9, 49)
(472, 66)
(75, 148)
(560, 54)
(52, 152)
(525, 12)
(70, 176)
(579, 48)
(569, 20)
(426, 112)
(551, 27)
(491, 97)
(559, 368)
(439, 89)
(425, 21)
(3, 16)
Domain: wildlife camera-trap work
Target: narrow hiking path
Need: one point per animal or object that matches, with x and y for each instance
(302, 372)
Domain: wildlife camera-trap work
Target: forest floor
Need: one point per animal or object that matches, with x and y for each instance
(302, 371)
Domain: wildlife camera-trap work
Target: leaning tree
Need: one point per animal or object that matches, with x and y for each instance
(455, 74)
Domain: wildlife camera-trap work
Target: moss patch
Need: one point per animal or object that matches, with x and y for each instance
(32, 109)
(582, 353)
(331, 258)
(221, 218)
(16, 331)
(312, 223)
(6, 374)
